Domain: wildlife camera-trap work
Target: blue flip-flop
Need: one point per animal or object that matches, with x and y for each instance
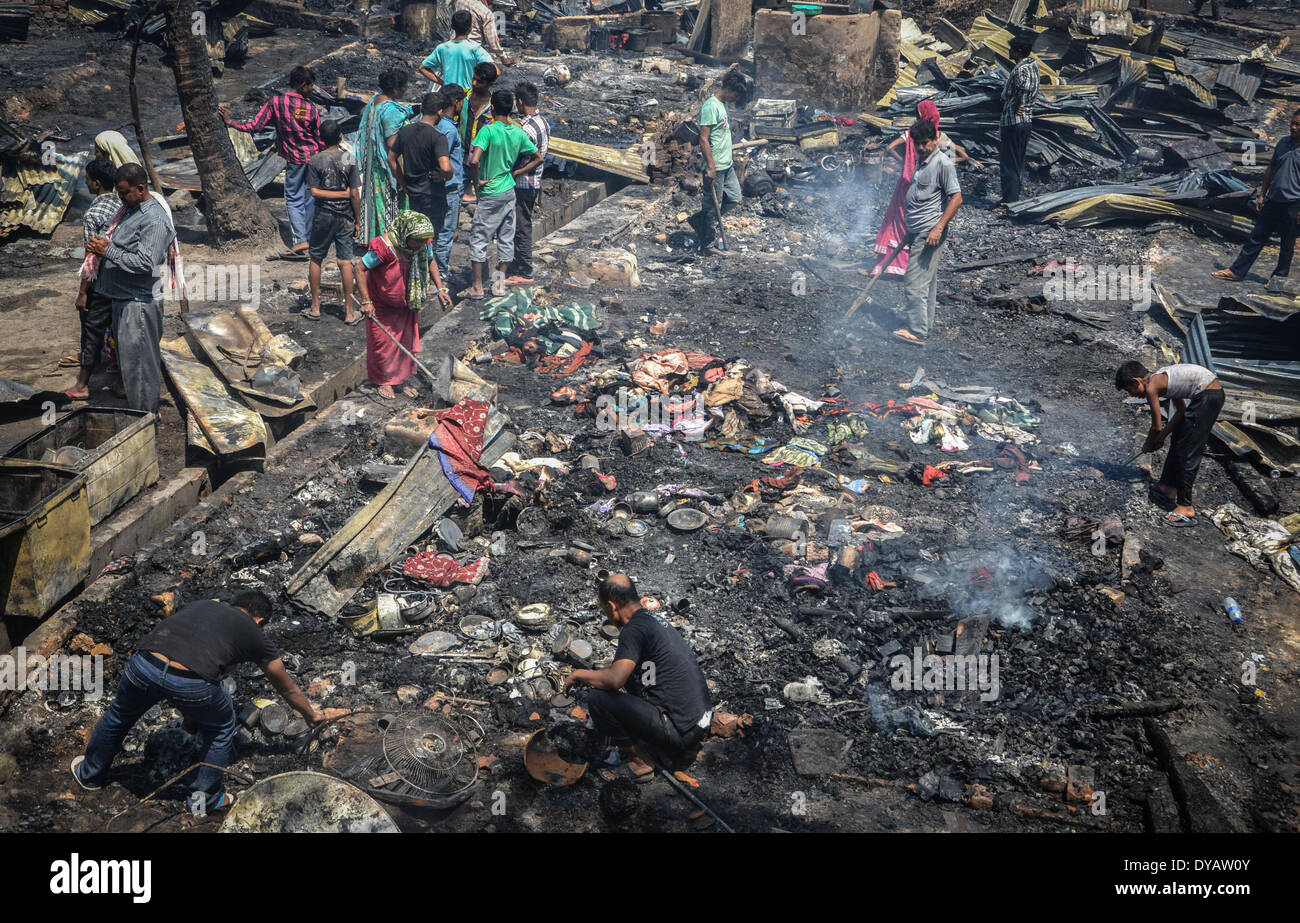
(1179, 521)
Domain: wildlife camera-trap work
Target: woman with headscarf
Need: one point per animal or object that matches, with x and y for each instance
(399, 271)
(111, 145)
(381, 120)
(893, 230)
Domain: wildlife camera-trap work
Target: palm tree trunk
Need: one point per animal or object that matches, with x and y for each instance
(232, 207)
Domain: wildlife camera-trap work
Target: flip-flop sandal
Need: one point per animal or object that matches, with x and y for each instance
(912, 340)
(1179, 521)
(356, 320)
(70, 361)
(74, 397)
(1225, 275)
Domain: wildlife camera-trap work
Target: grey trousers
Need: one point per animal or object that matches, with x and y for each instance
(921, 284)
(494, 217)
(138, 327)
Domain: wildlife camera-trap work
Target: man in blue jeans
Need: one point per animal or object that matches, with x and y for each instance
(452, 98)
(1279, 207)
(182, 660)
(297, 139)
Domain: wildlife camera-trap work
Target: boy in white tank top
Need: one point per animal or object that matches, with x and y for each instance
(1197, 397)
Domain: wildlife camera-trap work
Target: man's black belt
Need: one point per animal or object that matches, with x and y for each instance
(173, 670)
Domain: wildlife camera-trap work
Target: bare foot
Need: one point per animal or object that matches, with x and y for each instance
(473, 292)
(1182, 510)
(908, 336)
(314, 312)
(78, 394)
(299, 248)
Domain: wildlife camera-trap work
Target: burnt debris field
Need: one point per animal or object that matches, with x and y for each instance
(929, 588)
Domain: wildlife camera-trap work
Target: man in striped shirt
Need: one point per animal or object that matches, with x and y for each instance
(297, 139)
(529, 186)
(1018, 96)
(96, 310)
(484, 30)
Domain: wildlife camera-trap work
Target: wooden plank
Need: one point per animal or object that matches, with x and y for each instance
(377, 533)
(625, 162)
(701, 20)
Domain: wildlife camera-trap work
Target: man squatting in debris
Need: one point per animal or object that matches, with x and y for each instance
(182, 660)
(335, 183)
(931, 201)
(495, 164)
(95, 310)
(719, 187)
(1278, 204)
(1017, 122)
(654, 695)
(297, 138)
(134, 252)
(1198, 398)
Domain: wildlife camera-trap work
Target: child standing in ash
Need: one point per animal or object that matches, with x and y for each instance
(335, 183)
(1197, 397)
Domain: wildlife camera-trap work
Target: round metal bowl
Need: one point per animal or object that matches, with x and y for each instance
(434, 642)
(306, 802)
(635, 528)
(687, 519)
(479, 627)
(545, 764)
(536, 617)
(531, 521)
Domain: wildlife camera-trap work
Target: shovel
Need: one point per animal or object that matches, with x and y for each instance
(717, 210)
(874, 279)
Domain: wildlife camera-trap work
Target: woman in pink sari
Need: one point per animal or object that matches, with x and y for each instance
(893, 230)
(399, 272)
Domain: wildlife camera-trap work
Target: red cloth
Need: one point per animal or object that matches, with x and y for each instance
(385, 363)
(932, 474)
(442, 570)
(893, 230)
(460, 435)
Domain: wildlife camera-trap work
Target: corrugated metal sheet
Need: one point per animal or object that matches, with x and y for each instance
(1200, 94)
(1257, 359)
(41, 207)
(1240, 79)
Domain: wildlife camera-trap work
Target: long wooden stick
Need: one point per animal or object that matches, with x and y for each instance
(874, 279)
(396, 342)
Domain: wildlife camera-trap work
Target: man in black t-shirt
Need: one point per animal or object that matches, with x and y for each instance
(424, 161)
(182, 660)
(665, 708)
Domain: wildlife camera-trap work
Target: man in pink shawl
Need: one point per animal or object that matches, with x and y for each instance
(893, 231)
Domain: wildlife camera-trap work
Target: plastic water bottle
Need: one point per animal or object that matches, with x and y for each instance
(1233, 610)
